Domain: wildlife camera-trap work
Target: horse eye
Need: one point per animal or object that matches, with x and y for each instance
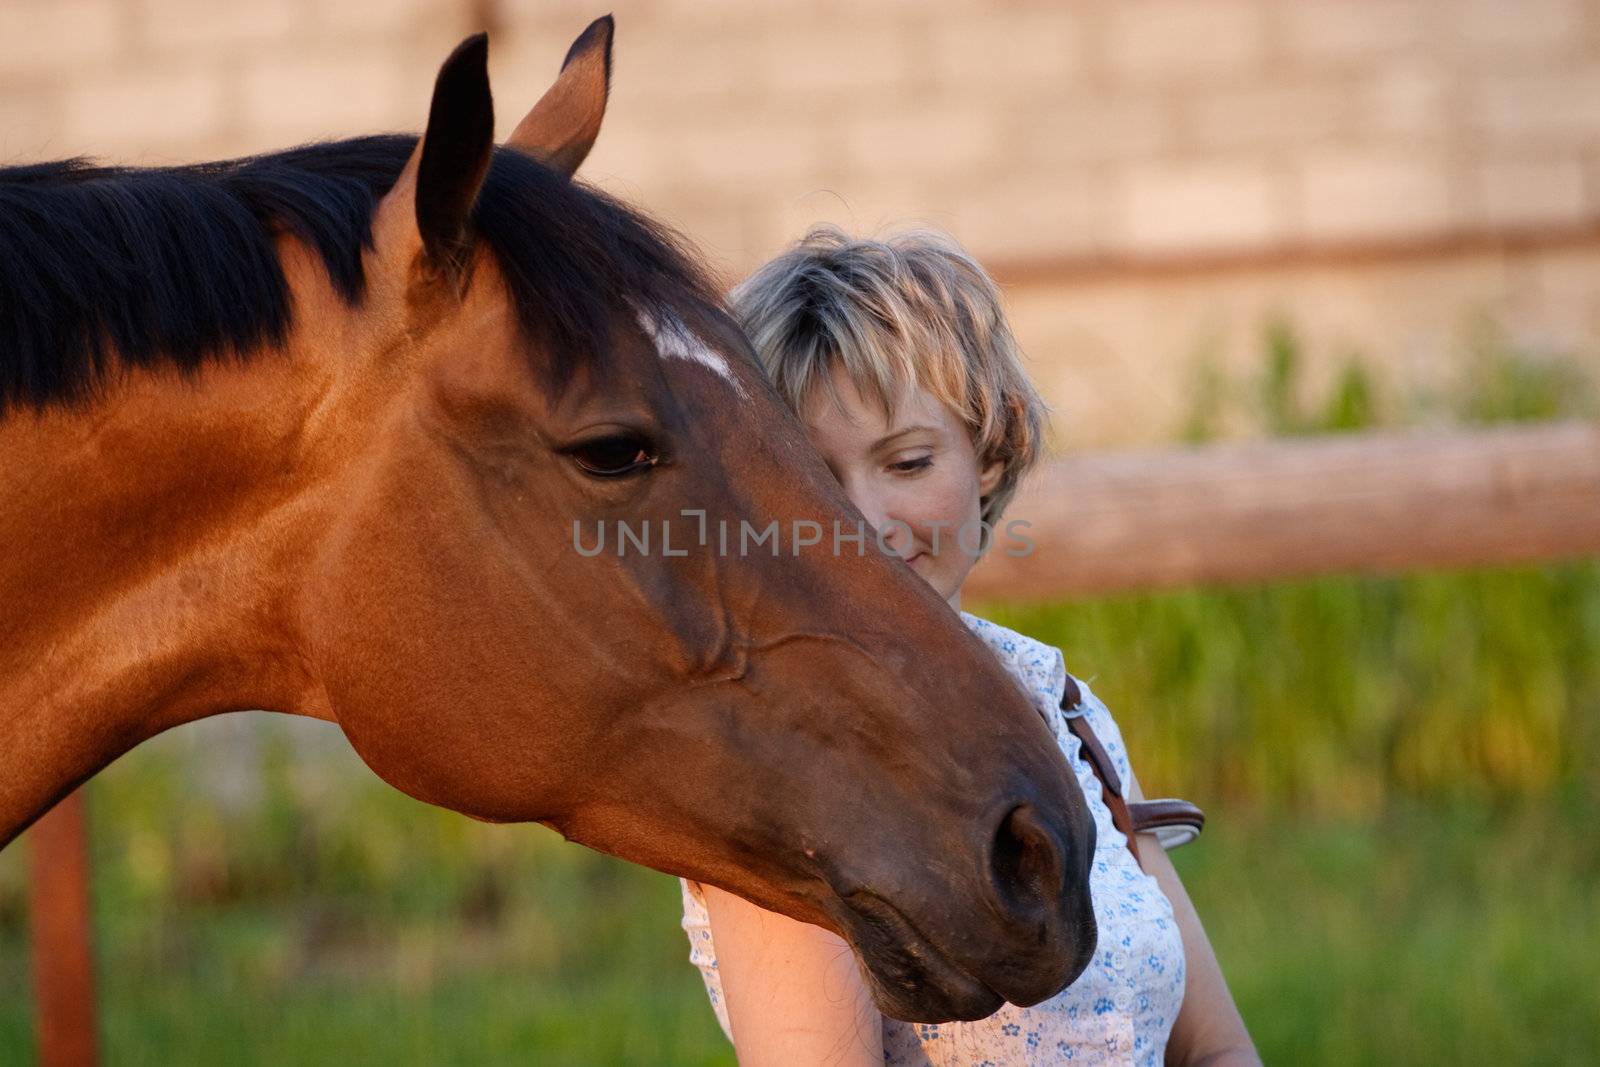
(614, 455)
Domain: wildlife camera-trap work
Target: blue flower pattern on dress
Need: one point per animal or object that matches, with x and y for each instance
(1121, 1009)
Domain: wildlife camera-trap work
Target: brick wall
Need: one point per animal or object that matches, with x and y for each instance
(1314, 158)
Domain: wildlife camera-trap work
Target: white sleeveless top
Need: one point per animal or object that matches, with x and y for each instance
(1121, 1009)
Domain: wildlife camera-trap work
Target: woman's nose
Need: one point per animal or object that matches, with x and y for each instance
(896, 534)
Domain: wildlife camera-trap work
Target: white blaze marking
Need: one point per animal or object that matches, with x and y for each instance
(674, 340)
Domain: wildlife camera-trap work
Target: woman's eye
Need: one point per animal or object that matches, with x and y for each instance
(911, 466)
(614, 455)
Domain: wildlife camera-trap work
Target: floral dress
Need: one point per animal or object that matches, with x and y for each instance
(1121, 1009)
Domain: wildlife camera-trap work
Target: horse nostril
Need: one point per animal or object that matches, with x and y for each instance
(1026, 862)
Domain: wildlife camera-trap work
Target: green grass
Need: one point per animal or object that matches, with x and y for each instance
(1424, 936)
(1340, 694)
(380, 931)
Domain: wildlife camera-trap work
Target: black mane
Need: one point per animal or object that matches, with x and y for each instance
(110, 266)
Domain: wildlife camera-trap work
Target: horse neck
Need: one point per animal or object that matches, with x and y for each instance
(149, 540)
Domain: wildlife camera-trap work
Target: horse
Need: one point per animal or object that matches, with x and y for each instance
(316, 431)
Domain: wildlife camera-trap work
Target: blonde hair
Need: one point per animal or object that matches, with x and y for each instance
(912, 309)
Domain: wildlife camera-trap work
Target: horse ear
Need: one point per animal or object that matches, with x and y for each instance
(562, 126)
(454, 155)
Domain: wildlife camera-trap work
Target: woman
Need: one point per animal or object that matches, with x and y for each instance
(898, 359)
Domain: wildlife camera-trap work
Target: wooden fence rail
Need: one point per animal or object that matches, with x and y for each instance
(1367, 503)
(1117, 522)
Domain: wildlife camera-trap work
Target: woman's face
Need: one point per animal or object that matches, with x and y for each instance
(914, 477)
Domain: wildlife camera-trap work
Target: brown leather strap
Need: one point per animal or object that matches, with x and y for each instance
(1169, 814)
(1147, 815)
(1104, 769)
(1110, 784)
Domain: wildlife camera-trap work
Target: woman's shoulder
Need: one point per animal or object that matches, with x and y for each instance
(1042, 670)
(1040, 667)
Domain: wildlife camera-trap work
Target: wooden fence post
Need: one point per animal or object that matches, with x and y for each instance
(63, 957)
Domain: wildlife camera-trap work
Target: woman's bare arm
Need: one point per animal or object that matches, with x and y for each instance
(1209, 1030)
(792, 990)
